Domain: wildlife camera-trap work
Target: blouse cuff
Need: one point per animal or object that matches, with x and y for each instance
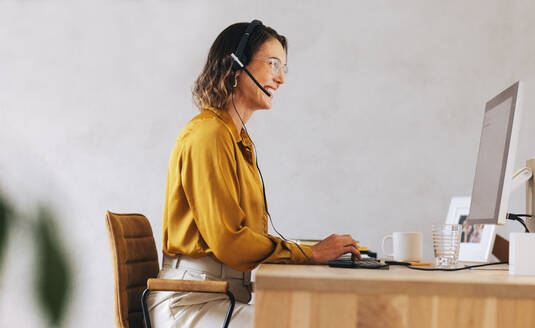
(301, 258)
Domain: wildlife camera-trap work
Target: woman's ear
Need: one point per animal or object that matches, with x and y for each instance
(236, 74)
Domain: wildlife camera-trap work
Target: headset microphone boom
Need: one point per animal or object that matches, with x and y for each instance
(235, 58)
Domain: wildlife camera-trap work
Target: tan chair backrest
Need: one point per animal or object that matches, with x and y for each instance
(135, 259)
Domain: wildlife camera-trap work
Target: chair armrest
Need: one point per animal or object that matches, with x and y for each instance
(173, 285)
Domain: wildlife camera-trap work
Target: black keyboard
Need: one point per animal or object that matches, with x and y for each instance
(359, 264)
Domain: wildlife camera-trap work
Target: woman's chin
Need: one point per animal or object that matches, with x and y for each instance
(267, 104)
(263, 103)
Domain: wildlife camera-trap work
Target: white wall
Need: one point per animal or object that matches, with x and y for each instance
(376, 128)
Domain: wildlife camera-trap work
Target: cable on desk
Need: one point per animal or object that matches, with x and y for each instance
(457, 269)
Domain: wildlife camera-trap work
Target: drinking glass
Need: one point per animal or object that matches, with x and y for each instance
(446, 242)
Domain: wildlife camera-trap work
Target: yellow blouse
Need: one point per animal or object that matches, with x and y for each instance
(213, 201)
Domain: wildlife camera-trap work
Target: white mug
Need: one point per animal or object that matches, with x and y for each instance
(407, 246)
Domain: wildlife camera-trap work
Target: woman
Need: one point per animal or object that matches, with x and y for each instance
(215, 216)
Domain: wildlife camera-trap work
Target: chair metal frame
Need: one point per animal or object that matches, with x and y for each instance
(146, 315)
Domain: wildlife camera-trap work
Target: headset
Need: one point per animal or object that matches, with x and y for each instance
(240, 60)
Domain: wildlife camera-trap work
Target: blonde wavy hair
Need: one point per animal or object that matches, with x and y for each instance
(214, 85)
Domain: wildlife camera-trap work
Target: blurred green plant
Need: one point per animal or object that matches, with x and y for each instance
(53, 282)
(53, 274)
(5, 212)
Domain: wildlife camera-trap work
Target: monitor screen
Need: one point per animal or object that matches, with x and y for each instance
(495, 160)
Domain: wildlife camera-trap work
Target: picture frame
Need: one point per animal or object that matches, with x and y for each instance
(477, 240)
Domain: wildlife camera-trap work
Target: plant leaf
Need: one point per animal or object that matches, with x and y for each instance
(4, 226)
(53, 277)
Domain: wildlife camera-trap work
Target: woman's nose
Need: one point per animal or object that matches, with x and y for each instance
(280, 78)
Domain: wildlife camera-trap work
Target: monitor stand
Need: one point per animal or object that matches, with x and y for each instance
(522, 244)
(524, 175)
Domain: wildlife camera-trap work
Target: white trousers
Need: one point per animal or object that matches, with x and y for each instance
(195, 310)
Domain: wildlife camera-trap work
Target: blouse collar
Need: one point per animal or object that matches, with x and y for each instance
(229, 123)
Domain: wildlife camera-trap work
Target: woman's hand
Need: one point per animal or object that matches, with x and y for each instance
(334, 246)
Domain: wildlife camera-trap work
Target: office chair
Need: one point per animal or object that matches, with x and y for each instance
(135, 262)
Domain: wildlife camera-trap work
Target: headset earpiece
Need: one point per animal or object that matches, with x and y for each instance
(240, 59)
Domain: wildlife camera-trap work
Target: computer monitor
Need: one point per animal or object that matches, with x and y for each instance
(496, 158)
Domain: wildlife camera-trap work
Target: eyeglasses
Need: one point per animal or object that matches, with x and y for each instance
(275, 63)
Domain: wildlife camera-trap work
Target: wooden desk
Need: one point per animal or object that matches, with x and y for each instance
(319, 296)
